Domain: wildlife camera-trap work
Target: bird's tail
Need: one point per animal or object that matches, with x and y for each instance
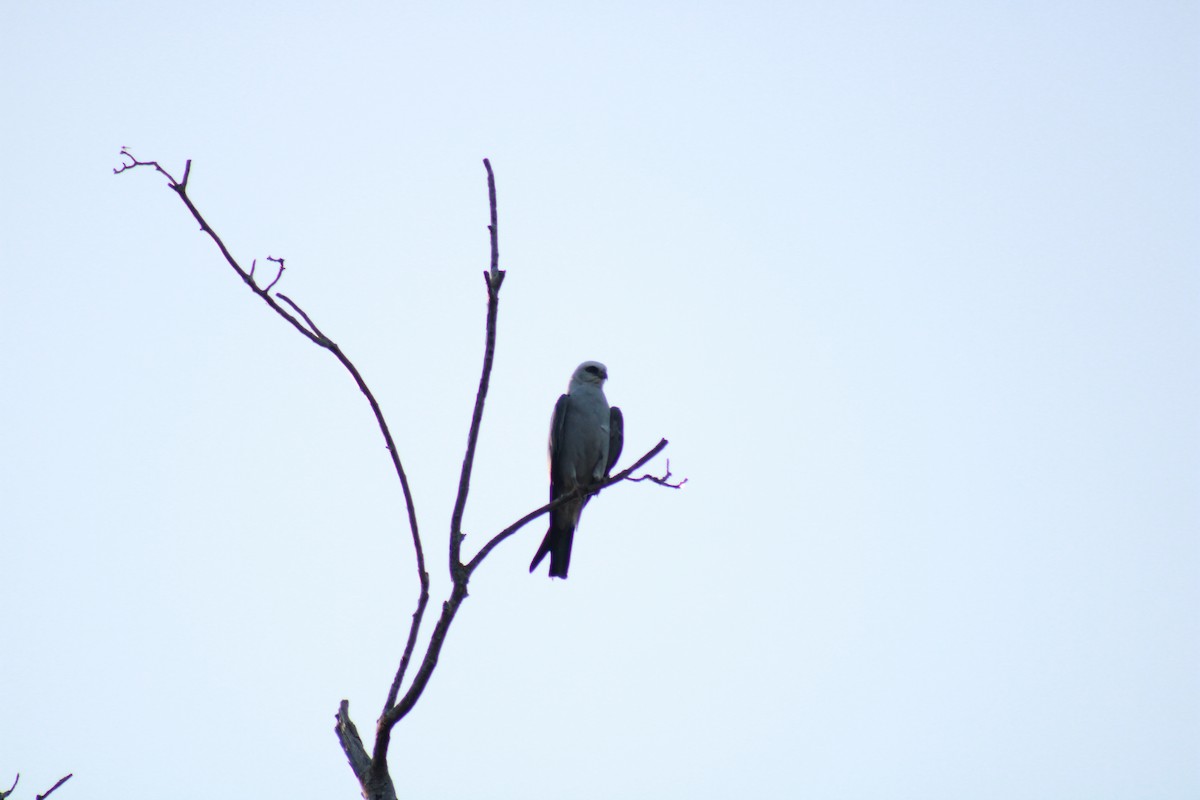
(557, 543)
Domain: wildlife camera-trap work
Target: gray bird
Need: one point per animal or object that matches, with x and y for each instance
(586, 437)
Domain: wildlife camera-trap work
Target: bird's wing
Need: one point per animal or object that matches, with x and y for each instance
(616, 437)
(558, 425)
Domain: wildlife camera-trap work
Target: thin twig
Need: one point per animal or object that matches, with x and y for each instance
(409, 645)
(61, 781)
(133, 162)
(278, 275)
(661, 480)
(494, 227)
(11, 788)
(300, 311)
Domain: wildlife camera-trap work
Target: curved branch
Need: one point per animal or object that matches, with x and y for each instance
(371, 770)
(313, 334)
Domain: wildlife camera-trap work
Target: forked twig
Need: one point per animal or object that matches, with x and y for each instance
(661, 480)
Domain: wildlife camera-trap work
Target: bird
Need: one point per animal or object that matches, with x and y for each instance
(586, 437)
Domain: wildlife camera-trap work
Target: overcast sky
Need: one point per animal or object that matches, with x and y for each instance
(912, 289)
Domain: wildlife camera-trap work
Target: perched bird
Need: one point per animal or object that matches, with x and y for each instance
(586, 437)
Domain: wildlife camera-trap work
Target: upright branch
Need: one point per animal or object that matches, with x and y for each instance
(371, 769)
(493, 278)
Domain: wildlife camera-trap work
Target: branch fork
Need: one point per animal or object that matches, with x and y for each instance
(371, 768)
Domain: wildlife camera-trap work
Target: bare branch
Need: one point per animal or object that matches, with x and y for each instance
(352, 744)
(61, 781)
(371, 770)
(300, 311)
(11, 788)
(278, 275)
(395, 710)
(661, 480)
(409, 646)
(493, 278)
(494, 227)
(396, 713)
(181, 190)
(585, 490)
(133, 162)
(313, 334)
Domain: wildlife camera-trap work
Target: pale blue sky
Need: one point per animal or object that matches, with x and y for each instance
(912, 289)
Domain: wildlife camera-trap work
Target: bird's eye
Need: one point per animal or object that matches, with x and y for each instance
(593, 370)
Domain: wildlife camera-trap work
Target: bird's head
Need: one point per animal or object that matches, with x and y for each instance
(590, 373)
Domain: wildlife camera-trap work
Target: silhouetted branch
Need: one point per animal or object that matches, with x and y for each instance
(493, 278)
(300, 311)
(394, 712)
(42, 796)
(494, 227)
(278, 275)
(180, 188)
(316, 337)
(352, 745)
(133, 162)
(371, 769)
(581, 491)
(661, 480)
(61, 781)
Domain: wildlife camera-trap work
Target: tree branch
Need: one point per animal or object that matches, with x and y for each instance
(494, 227)
(180, 188)
(661, 480)
(313, 334)
(61, 781)
(494, 277)
(583, 491)
(352, 745)
(371, 770)
(395, 711)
